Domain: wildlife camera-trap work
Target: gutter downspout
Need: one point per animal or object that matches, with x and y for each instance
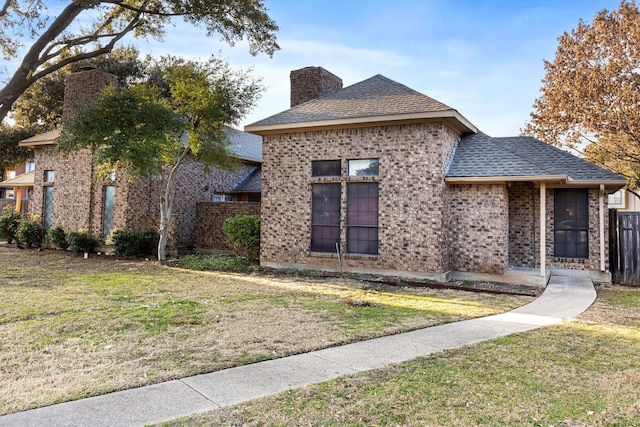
(543, 231)
(601, 212)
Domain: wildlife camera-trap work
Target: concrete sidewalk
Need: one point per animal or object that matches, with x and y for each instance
(562, 299)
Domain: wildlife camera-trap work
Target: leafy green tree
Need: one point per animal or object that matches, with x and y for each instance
(45, 40)
(151, 128)
(42, 103)
(591, 92)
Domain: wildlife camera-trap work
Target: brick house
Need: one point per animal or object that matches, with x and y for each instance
(379, 178)
(65, 193)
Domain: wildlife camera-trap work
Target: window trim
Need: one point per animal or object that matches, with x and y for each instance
(350, 226)
(314, 223)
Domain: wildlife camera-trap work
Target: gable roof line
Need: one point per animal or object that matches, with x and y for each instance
(243, 178)
(376, 100)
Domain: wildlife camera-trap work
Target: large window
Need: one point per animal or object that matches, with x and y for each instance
(571, 223)
(362, 218)
(361, 192)
(325, 217)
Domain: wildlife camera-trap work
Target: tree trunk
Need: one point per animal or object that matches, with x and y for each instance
(166, 208)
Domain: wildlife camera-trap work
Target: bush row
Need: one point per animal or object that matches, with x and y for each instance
(27, 232)
(243, 232)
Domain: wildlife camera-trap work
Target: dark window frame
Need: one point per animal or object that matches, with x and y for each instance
(571, 223)
(362, 218)
(326, 168)
(325, 216)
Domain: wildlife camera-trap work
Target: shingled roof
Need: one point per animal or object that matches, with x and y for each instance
(251, 182)
(375, 99)
(245, 145)
(479, 156)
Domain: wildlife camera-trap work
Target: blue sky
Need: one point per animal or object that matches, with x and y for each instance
(483, 58)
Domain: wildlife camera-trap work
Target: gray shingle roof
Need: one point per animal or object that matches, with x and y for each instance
(251, 182)
(245, 145)
(479, 155)
(376, 96)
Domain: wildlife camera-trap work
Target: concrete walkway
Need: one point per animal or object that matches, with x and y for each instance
(562, 299)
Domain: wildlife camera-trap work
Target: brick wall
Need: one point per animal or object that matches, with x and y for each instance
(79, 201)
(523, 224)
(72, 197)
(524, 231)
(412, 207)
(140, 204)
(478, 225)
(210, 217)
(312, 82)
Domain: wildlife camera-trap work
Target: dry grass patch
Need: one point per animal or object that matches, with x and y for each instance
(72, 328)
(580, 373)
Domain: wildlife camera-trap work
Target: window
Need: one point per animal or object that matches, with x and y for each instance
(222, 198)
(364, 167)
(29, 166)
(325, 168)
(361, 233)
(49, 176)
(362, 218)
(108, 213)
(47, 217)
(571, 223)
(325, 217)
(615, 199)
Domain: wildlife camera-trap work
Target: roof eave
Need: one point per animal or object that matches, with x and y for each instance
(500, 179)
(564, 180)
(452, 117)
(33, 145)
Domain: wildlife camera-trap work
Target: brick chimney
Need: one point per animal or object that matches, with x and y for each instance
(312, 82)
(82, 88)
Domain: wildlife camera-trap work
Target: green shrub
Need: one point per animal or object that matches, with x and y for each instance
(217, 262)
(81, 241)
(29, 234)
(9, 222)
(243, 232)
(134, 242)
(58, 237)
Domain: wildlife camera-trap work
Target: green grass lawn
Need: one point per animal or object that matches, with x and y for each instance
(72, 328)
(580, 373)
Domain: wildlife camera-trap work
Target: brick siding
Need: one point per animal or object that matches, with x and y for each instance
(523, 224)
(479, 228)
(412, 208)
(210, 217)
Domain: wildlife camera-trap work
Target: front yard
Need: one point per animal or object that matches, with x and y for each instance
(576, 374)
(72, 328)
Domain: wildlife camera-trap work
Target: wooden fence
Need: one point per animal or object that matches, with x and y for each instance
(624, 247)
